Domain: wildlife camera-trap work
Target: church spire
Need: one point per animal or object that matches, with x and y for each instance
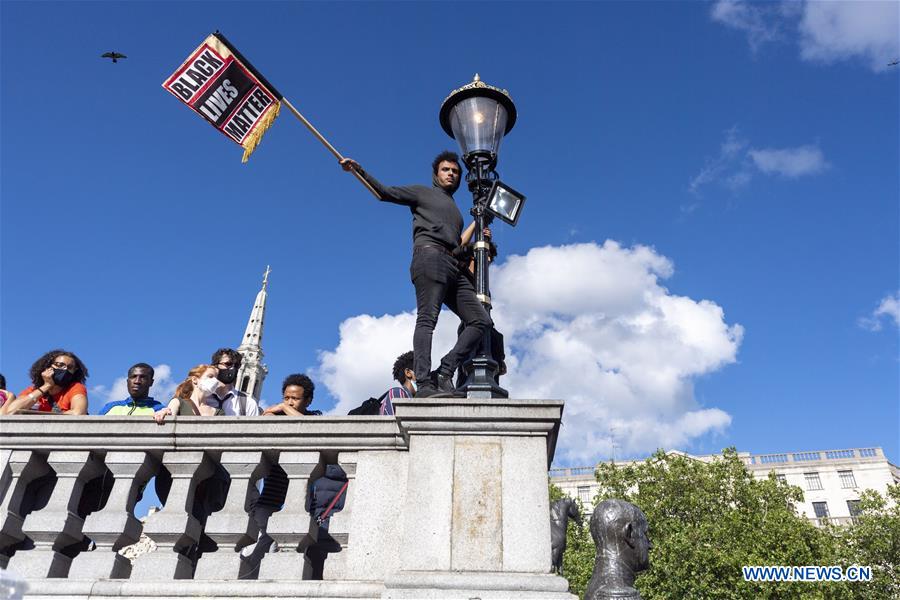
(253, 372)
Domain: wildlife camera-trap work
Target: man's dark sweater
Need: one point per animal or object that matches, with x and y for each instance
(436, 218)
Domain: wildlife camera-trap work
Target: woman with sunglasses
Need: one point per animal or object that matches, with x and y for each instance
(57, 380)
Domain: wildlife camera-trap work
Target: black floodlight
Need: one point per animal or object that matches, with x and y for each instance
(477, 116)
(505, 203)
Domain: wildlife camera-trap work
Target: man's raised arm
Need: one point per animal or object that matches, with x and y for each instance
(405, 195)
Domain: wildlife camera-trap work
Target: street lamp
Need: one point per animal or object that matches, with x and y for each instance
(477, 116)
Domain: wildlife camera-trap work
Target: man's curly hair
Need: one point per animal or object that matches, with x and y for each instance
(41, 364)
(303, 381)
(449, 157)
(403, 362)
(234, 355)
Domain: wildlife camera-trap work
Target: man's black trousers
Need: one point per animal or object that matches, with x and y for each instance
(439, 279)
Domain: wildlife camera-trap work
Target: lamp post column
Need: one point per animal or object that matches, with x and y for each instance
(482, 369)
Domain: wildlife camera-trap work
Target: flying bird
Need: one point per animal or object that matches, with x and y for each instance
(115, 56)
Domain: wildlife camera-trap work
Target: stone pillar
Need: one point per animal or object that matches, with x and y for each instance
(476, 518)
(232, 527)
(337, 539)
(20, 467)
(376, 530)
(291, 527)
(57, 525)
(115, 526)
(174, 529)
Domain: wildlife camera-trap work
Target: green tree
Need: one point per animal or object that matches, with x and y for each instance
(873, 541)
(709, 519)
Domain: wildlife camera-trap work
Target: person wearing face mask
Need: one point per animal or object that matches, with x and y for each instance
(192, 393)
(436, 273)
(57, 380)
(230, 399)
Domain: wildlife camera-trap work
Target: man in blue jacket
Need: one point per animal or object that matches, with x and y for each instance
(139, 403)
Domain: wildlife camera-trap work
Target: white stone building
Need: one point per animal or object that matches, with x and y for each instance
(831, 480)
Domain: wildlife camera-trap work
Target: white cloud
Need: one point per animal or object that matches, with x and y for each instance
(737, 163)
(832, 31)
(729, 167)
(826, 31)
(360, 367)
(888, 310)
(759, 21)
(790, 162)
(163, 388)
(585, 323)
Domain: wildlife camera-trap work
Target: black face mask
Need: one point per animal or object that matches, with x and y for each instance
(62, 377)
(227, 376)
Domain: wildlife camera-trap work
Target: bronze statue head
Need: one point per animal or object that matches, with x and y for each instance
(619, 530)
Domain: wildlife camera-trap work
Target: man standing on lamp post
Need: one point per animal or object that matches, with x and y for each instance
(436, 274)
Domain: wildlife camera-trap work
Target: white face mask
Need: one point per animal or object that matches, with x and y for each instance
(208, 385)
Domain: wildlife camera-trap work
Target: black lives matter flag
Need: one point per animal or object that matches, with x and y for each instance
(220, 85)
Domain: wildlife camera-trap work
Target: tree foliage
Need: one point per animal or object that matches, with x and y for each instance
(709, 519)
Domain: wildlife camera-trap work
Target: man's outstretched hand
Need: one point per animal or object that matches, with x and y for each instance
(348, 164)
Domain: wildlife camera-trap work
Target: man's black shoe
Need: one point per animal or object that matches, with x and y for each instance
(426, 390)
(445, 386)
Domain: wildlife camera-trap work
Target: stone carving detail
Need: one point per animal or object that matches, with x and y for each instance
(560, 512)
(619, 530)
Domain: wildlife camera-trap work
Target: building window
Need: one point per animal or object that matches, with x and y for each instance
(812, 481)
(847, 479)
(853, 507)
(821, 509)
(781, 477)
(584, 493)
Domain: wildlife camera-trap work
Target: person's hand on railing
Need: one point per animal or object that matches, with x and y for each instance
(160, 415)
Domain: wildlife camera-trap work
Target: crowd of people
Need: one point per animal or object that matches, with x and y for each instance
(58, 387)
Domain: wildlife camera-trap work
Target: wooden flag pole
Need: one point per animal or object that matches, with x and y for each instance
(328, 145)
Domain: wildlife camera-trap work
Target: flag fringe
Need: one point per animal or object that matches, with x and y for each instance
(255, 136)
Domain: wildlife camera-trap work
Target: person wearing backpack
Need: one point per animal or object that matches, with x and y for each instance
(384, 404)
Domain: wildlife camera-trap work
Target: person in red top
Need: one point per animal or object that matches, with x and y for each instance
(57, 386)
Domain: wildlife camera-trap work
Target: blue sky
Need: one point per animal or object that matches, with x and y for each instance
(708, 255)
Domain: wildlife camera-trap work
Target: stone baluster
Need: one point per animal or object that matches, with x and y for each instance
(115, 526)
(291, 527)
(20, 467)
(174, 529)
(336, 540)
(57, 525)
(231, 527)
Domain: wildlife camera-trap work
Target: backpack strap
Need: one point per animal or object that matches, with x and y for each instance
(324, 516)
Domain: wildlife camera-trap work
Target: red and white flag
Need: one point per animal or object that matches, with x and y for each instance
(220, 85)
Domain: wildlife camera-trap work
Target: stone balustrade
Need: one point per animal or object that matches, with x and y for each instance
(447, 499)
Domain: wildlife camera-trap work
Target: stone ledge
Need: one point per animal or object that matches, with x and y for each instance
(475, 416)
(59, 589)
(35, 432)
